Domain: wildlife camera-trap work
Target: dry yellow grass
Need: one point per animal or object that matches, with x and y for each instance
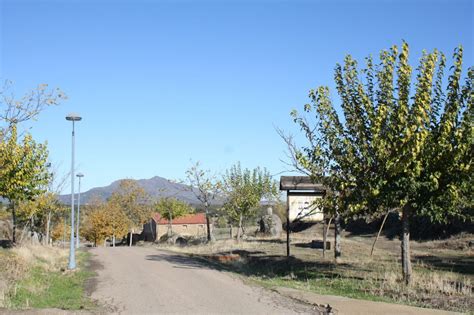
(16, 263)
(215, 247)
(48, 257)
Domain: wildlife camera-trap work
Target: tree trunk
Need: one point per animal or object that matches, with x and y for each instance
(170, 226)
(48, 225)
(287, 232)
(337, 236)
(131, 238)
(64, 232)
(231, 232)
(325, 237)
(14, 222)
(378, 234)
(208, 225)
(32, 220)
(406, 262)
(240, 228)
(153, 233)
(113, 240)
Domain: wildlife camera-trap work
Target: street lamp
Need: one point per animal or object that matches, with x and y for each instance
(79, 175)
(72, 254)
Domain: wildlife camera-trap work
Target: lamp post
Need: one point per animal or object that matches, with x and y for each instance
(79, 175)
(72, 253)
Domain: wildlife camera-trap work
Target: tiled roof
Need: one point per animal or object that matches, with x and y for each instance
(195, 218)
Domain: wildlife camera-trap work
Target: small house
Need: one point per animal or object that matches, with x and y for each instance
(190, 224)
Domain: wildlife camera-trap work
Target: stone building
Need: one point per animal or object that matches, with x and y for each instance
(189, 225)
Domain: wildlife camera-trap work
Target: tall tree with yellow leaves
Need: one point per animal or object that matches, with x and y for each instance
(392, 148)
(118, 221)
(97, 224)
(133, 200)
(23, 171)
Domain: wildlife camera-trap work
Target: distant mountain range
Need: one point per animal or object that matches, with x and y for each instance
(157, 187)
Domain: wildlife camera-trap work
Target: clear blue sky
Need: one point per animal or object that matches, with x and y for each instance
(161, 82)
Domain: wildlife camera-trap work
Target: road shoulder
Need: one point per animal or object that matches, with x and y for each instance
(345, 305)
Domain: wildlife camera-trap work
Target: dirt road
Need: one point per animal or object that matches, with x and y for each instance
(141, 280)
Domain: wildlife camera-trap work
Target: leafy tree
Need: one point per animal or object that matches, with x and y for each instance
(23, 171)
(59, 231)
(97, 225)
(171, 208)
(39, 212)
(22, 161)
(117, 220)
(205, 187)
(104, 220)
(244, 189)
(392, 148)
(132, 199)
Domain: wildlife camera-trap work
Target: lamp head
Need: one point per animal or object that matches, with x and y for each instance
(80, 175)
(73, 117)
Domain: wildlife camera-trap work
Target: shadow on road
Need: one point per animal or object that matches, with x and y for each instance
(184, 261)
(256, 263)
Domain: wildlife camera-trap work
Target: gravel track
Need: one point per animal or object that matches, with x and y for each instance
(141, 280)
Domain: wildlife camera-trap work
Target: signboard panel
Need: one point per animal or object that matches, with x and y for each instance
(302, 207)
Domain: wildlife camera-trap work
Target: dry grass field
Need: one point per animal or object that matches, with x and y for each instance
(35, 277)
(443, 275)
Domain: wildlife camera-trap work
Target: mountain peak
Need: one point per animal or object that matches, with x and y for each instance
(157, 187)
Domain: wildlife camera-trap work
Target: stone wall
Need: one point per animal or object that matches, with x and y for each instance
(183, 229)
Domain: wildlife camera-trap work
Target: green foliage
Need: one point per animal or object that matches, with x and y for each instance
(37, 210)
(23, 173)
(171, 208)
(244, 189)
(23, 170)
(221, 222)
(392, 147)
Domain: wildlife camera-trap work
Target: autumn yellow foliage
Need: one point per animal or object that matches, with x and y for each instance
(103, 221)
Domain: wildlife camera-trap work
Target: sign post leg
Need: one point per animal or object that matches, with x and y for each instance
(287, 228)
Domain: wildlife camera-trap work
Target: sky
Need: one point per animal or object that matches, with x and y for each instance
(161, 83)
